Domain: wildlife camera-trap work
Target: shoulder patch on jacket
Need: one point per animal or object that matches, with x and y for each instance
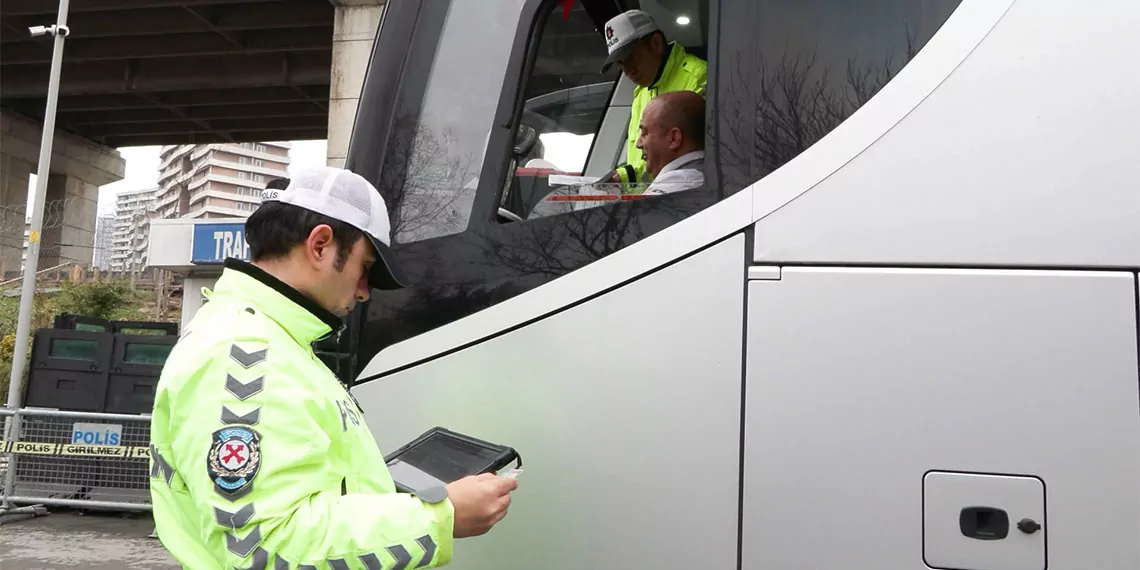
(234, 460)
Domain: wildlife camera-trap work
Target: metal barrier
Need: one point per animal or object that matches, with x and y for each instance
(75, 459)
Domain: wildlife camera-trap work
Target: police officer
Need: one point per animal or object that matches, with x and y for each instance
(638, 45)
(259, 456)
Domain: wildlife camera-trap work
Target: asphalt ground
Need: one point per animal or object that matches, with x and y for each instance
(69, 539)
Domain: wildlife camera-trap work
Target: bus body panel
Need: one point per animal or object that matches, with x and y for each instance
(861, 381)
(629, 434)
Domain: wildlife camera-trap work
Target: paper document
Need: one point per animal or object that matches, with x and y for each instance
(570, 180)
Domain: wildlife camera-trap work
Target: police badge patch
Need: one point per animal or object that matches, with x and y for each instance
(233, 461)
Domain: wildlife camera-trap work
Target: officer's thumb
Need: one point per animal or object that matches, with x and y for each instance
(507, 484)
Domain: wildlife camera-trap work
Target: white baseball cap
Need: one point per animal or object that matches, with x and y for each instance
(622, 31)
(345, 196)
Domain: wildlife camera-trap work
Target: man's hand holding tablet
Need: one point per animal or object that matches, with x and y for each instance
(472, 473)
(480, 501)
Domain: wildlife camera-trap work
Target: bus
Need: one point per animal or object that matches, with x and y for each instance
(895, 329)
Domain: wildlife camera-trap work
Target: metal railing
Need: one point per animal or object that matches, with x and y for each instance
(75, 459)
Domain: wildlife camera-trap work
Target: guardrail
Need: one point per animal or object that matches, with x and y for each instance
(75, 459)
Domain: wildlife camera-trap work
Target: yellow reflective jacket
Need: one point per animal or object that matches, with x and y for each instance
(261, 459)
(683, 71)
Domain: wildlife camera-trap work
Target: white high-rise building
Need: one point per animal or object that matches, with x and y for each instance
(104, 239)
(217, 180)
(133, 210)
(194, 181)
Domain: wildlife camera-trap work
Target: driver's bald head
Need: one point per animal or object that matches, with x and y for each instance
(684, 110)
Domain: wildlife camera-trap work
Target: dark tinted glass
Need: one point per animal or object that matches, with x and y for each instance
(139, 331)
(138, 353)
(793, 70)
(74, 349)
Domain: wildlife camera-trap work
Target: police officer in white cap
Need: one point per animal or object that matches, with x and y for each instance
(655, 65)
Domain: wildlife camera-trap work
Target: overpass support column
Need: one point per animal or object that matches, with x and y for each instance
(14, 176)
(78, 168)
(70, 210)
(354, 30)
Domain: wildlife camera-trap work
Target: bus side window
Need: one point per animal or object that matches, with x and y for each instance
(794, 71)
(575, 118)
(566, 97)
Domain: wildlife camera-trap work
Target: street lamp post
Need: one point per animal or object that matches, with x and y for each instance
(23, 327)
(58, 31)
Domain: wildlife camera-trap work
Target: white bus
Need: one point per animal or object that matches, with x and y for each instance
(896, 329)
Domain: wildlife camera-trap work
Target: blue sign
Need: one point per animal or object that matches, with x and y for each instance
(213, 243)
(96, 434)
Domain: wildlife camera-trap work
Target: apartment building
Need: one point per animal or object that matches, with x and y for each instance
(217, 180)
(130, 228)
(104, 240)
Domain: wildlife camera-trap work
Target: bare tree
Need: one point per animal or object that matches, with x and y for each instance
(864, 82)
(564, 242)
(782, 108)
(558, 244)
(423, 183)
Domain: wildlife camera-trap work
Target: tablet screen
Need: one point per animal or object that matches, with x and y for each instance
(448, 459)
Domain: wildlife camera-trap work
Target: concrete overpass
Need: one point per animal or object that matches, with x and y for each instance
(155, 72)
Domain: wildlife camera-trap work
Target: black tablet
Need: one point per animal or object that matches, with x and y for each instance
(447, 456)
